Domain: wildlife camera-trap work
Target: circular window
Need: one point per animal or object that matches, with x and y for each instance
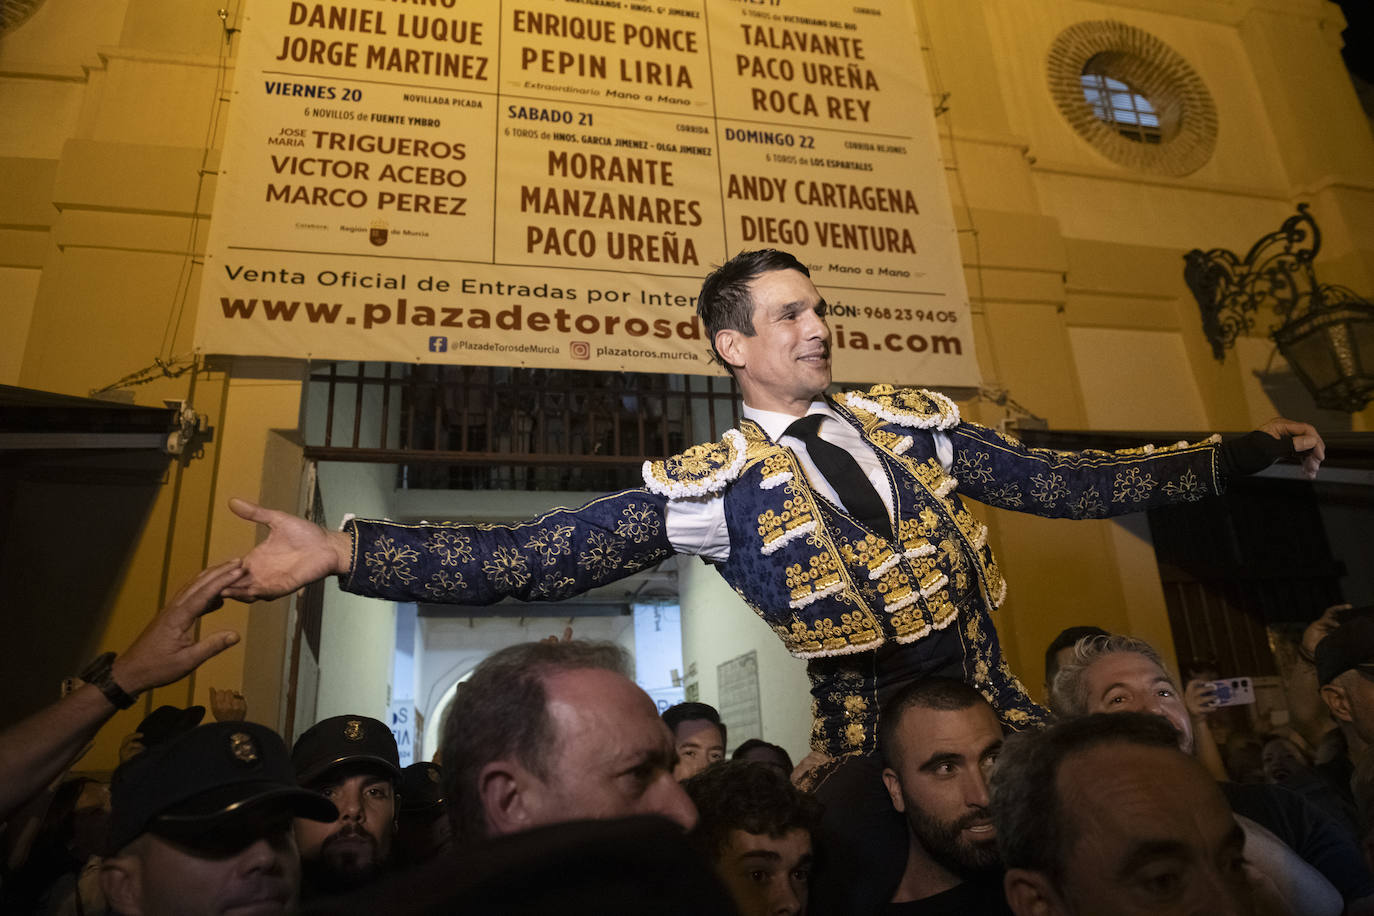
(1133, 98)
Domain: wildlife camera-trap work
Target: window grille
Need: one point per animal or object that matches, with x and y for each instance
(1116, 103)
(484, 427)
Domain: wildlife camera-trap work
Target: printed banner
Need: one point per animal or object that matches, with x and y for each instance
(546, 182)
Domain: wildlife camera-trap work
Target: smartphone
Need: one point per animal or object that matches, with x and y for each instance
(1234, 691)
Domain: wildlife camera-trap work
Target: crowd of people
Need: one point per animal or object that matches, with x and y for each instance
(933, 783)
(559, 787)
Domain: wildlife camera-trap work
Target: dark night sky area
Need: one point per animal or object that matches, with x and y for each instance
(1359, 37)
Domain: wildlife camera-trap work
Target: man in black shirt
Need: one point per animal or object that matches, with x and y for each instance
(940, 739)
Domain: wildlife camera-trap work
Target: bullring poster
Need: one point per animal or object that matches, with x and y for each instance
(546, 182)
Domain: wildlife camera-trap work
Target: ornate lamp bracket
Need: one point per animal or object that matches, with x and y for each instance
(1321, 327)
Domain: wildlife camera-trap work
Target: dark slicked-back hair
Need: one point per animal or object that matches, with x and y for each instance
(1066, 638)
(724, 300)
(756, 744)
(501, 713)
(674, 716)
(946, 694)
(1034, 829)
(739, 795)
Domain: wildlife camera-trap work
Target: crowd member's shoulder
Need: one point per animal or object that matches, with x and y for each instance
(622, 867)
(1317, 837)
(971, 898)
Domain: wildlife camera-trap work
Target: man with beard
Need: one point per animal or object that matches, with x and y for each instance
(940, 739)
(353, 762)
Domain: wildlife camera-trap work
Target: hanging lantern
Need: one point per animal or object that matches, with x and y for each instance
(1326, 332)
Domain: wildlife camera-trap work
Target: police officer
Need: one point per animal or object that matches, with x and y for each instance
(352, 761)
(203, 824)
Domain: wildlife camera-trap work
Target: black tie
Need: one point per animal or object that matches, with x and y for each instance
(843, 473)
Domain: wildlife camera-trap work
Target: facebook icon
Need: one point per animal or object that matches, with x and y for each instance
(438, 345)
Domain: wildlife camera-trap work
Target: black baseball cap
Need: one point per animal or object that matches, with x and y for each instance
(208, 780)
(345, 739)
(1349, 645)
(166, 722)
(421, 788)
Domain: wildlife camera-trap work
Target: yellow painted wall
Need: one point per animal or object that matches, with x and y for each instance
(1073, 264)
(716, 627)
(97, 194)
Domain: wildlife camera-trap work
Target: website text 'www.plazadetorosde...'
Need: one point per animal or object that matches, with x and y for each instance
(517, 318)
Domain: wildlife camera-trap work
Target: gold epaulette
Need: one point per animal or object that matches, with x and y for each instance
(914, 408)
(702, 469)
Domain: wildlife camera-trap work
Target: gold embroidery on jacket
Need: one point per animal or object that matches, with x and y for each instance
(639, 523)
(1132, 486)
(855, 714)
(855, 628)
(389, 562)
(1048, 488)
(820, 576)
(1188, 487)
(451, 547)
(783, 525)
(871, 552)
(507, 569)
(551, 543)
(603, 554)
(445, 582)
(910, 623)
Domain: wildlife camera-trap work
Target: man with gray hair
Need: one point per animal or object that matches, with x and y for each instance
(1116, 673)
(548, 732)
(1071, 690)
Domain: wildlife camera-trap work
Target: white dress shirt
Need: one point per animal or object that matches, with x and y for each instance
(697, 525)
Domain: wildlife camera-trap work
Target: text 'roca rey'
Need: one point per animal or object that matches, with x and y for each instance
(846, 73)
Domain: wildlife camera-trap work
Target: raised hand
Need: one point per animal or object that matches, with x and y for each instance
(1200, 697)
(167, 650)
(1318, 630)
(567, 637)
(228, 705)
(1307, 442)
(295, 553)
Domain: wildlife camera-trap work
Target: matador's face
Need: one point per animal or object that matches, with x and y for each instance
(785, 364)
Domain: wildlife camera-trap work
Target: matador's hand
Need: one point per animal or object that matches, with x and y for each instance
(295, 553)
(1307, 442)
